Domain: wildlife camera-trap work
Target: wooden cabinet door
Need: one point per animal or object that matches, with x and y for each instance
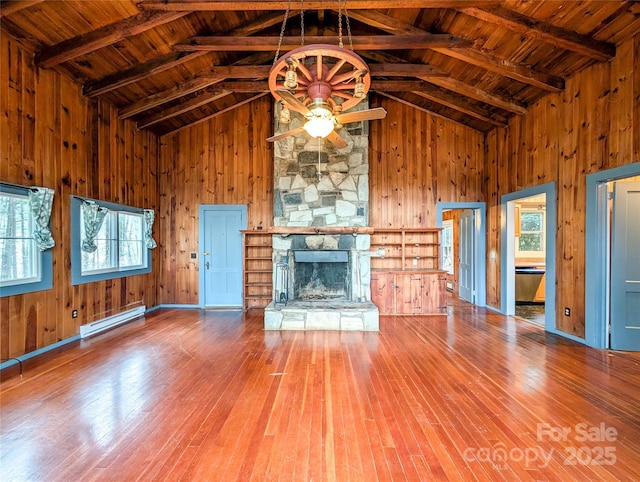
(383, 292)
(434, 295)
(409, 294)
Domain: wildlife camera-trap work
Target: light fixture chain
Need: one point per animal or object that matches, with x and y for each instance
(301, 22)
(346, 16)
(340, 24)
(284, 24)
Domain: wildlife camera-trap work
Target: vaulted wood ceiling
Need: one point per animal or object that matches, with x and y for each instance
(167, 64)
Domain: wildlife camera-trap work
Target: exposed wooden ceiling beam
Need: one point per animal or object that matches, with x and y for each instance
(476, 57)
(199, 81)
(506, 68)
(173, 59)
(406, 70)
(433, 93)
(9, 7)
(424, 109)
(382, 70)
(363, 42)
(539, 30)
(456, 85)
(240, 71)
(208, 95)
(461, 105)
(246, 5)
(138, 72)
(103, 37)
(221, 111)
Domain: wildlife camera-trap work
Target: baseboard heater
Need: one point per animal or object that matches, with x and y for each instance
(111, 321)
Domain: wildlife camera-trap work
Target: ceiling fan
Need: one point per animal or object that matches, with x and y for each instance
(321, 82)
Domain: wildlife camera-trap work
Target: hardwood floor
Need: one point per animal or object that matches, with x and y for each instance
(206, 395)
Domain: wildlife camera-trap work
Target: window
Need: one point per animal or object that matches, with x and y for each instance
(24, 268)
(446, 242)
(531, 241)
(109, 241)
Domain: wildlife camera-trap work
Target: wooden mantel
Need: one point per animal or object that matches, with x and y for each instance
(318, 230)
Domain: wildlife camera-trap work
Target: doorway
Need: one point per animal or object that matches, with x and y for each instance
(468, 277)
(530, 258)
(220, 265)
(528, 247)
(611, 271)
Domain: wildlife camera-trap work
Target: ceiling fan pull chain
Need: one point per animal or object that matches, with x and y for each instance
(284, 24)
(319, 165)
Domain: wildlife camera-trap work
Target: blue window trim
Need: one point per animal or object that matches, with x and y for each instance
(46, 258)
(77, 278)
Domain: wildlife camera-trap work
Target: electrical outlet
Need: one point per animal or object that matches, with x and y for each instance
(74, 314)
(567, 312)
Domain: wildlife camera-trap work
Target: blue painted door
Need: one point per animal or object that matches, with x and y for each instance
(466, 275)
(625, 267)
(222, 256)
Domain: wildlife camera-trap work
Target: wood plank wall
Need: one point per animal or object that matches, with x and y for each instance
(54, 137)
(225, 160)
(593, 125)
(416, 160)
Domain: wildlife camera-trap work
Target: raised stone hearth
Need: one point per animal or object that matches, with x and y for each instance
(309, 315)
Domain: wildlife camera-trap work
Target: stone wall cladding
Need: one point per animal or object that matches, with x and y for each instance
(317, 184)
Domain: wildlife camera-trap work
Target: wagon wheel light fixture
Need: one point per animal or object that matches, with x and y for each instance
(321, 82)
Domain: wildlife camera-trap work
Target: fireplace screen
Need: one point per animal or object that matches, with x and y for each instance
(321, 275)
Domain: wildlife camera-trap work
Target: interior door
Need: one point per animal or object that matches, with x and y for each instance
(466, 291)
(625, 267)
(222, 256)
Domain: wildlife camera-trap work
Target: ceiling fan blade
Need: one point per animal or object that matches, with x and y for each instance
(336, 140)
(293, 102)
(370, 114)
(292, 132)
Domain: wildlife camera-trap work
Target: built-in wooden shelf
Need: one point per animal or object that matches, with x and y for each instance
(406, 278)
(257, 269)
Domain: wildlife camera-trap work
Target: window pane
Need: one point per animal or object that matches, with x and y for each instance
(18, 253)
(531, 221)
(130, 229)
(447, 249)
(530, 242)
(104, 257)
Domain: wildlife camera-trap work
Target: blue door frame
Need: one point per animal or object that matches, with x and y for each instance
(479, 254)
(597, 246)
(507, 236)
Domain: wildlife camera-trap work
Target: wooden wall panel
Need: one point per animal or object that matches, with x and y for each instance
(417, 160)
(593, 125)
(225, 160)
(54, 137)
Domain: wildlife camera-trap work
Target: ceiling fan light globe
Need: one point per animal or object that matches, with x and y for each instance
(319, 127)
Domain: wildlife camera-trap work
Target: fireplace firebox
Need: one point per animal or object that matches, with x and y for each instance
(321, 275)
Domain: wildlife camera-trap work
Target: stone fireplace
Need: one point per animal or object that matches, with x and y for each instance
(321, 242)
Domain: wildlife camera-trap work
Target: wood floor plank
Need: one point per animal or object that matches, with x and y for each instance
(209, 395)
